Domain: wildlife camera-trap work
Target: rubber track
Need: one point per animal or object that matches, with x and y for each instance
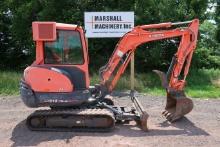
(95, 112)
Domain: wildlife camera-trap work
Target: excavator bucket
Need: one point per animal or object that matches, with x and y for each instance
(177, 104)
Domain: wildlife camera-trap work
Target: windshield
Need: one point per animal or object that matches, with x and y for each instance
(67, 49)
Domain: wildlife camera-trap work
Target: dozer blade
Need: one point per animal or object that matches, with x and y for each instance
(177, 104)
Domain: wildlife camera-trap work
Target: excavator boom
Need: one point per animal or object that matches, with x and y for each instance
(177, 103)
(147, 33)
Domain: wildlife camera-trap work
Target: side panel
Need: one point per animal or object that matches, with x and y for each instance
(76, 76)
(46, 80)
(58, 99)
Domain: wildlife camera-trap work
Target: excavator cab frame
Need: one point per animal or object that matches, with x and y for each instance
(47, 33)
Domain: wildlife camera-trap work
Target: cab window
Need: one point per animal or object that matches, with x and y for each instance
(67, 49)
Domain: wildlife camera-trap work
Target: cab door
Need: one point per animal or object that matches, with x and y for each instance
(69, 54)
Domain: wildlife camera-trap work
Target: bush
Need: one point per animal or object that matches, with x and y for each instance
(207, 54)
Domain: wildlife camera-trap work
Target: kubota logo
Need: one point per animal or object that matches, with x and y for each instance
(156, 35)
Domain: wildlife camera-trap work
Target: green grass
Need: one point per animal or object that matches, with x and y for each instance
(203, 83)
(9, 82)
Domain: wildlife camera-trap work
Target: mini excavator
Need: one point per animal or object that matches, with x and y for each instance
(59, 78)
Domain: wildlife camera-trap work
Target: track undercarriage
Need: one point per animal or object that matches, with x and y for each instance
(97, 118)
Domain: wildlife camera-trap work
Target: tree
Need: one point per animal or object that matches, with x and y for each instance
(155, 11)
(11, 56)
(207, 53)
(23, 12)
(217, 19)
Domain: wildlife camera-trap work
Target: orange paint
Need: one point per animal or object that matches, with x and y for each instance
(126, 46)
(146, 33)
(46, 80)
(44, 31)
(40, 47)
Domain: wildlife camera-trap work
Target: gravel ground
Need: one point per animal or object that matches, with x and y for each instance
(199, 128)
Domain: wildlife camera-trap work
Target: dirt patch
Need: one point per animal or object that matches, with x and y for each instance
(200, 128)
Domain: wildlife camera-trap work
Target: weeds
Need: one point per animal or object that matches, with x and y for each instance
(9, 82)
(203, 83)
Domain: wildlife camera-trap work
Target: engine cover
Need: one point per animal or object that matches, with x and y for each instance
(42, 79)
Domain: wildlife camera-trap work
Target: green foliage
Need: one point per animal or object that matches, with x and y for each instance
(17, 48)
(207, 53)
(204, 83)
(154, 11)
(9, 82)
(201, 83)
(9, 51)
(23, 12)
(217, 19)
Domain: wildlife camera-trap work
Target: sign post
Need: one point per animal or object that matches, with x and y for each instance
(132, 72)
(110, 25)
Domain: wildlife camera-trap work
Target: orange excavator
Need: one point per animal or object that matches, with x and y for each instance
(59, 78)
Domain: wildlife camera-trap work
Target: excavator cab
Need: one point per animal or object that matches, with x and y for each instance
(59, 76)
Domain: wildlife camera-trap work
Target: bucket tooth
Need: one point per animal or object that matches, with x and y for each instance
(177, 104)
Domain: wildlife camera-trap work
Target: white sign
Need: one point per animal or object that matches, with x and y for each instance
(108, 24)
